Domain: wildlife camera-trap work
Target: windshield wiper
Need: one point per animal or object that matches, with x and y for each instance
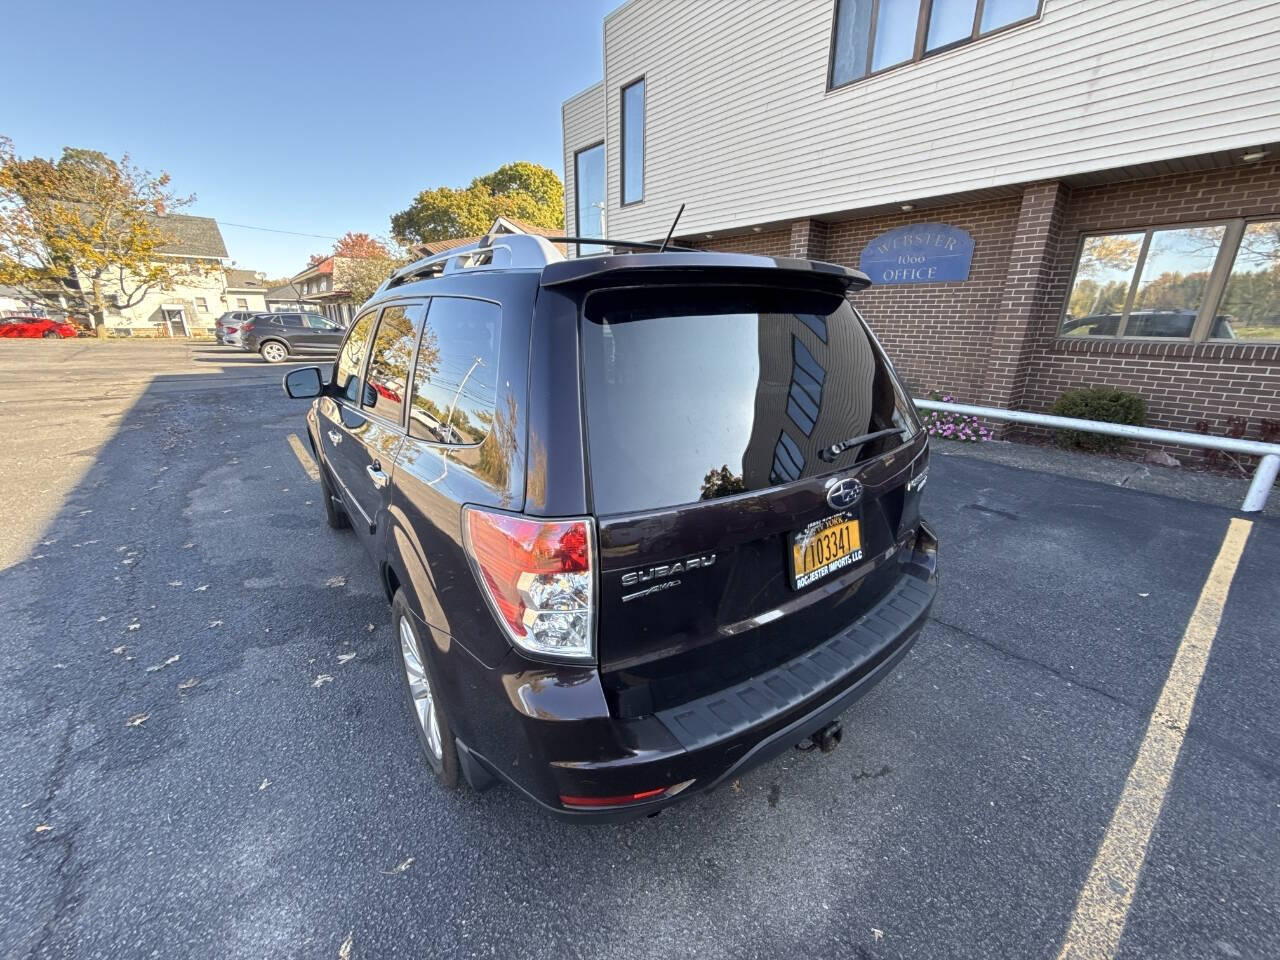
(830, 453)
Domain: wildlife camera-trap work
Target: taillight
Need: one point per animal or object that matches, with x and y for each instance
(230, 329)
(537, 576)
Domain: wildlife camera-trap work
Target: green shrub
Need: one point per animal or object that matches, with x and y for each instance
(1098, 403)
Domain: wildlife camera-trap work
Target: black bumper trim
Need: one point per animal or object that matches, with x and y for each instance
(760, 700)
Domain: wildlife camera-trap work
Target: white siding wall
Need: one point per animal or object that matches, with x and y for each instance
(582, 121)
(741, 126)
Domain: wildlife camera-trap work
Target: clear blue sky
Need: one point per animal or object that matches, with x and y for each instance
(318, 117)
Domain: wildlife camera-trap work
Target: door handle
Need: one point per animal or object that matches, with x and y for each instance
(335, 436)
(374, 470)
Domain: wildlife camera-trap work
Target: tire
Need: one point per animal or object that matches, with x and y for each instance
(334, 515)
(273, 351)
(437, 745)
(52, 335)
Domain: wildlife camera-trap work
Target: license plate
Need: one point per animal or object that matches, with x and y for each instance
(823, 548)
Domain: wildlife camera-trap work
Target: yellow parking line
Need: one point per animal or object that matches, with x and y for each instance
(304, 457)
(1104, 902)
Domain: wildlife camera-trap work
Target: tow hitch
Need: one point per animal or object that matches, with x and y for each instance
(826, 739)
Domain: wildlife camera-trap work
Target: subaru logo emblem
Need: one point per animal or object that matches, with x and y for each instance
(844, 494)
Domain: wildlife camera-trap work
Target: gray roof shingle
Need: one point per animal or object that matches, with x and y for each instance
(191, 236)
(243, 279)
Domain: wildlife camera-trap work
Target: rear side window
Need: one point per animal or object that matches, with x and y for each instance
(457, 372)
(697, 393)
(351, 357)
(388, 377)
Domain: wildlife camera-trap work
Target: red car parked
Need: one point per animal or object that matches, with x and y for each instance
(36, 327)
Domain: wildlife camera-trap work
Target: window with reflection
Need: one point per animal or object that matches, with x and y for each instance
(694, 393)
(869, 36)
(1250, 307)
(351, 356)
(387, 380)
(588, 201)
(633, 142)
(1159, 283)
(455, 381)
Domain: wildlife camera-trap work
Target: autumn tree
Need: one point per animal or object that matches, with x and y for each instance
(524, 191)
(352, 244)
(86, 229)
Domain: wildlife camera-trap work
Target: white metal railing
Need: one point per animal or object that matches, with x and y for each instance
(1264, 476)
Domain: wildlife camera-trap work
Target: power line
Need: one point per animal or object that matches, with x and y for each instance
(292, 233)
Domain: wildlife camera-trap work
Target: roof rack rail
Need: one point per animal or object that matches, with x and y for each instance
(634, 244)
(504, 251)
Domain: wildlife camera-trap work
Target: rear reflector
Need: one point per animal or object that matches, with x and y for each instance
(621, 800)
(537, 577)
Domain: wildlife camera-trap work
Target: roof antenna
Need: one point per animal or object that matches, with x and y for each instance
(672, 230)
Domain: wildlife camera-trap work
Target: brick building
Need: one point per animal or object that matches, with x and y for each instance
(1113, 166)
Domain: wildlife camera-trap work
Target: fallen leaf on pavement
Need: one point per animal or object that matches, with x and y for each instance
(120, 649)
(321, 679)
(137, 720)
(175, 583)
(399, 869)
(344, 951)
(1144, 594)
(103, 619)
(187, 546)
(344, 657)
(877, 934)
(338, 581)
(202, 588)
(215, 623)
(264, 784)
(45, 828)
(188, 683)
(135, 626)
(160, 666)
(369, 628)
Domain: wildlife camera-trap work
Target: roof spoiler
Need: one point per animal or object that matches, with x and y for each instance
(680, 264)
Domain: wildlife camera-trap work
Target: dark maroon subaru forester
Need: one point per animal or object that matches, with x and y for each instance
(645, 519)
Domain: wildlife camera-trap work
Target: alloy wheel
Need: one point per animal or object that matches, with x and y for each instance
(424, 703)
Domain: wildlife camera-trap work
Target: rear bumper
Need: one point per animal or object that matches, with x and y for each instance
(706, 741)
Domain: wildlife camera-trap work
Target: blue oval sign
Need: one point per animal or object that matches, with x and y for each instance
(920, 253)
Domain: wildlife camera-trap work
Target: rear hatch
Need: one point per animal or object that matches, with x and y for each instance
(732, 537)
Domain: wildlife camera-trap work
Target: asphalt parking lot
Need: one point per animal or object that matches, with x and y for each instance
(181, 779)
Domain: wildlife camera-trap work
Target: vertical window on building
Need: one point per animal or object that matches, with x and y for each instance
(633, 142)
(242, 303)
(896, 24)
(202, 305)
(588, 199)
(950, 21)
(868, 36)
(850, 41)
(1250, 306)
(1002, 13)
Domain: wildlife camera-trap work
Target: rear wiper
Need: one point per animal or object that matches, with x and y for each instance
(830, 453)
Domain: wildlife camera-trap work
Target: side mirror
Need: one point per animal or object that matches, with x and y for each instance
(303, 383)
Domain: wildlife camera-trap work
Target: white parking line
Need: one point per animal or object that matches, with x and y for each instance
(304, 457)
(1103, 907)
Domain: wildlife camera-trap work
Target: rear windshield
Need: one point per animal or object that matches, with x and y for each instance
(694, 393)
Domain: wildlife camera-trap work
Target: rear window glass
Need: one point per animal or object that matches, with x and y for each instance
(697, 393)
